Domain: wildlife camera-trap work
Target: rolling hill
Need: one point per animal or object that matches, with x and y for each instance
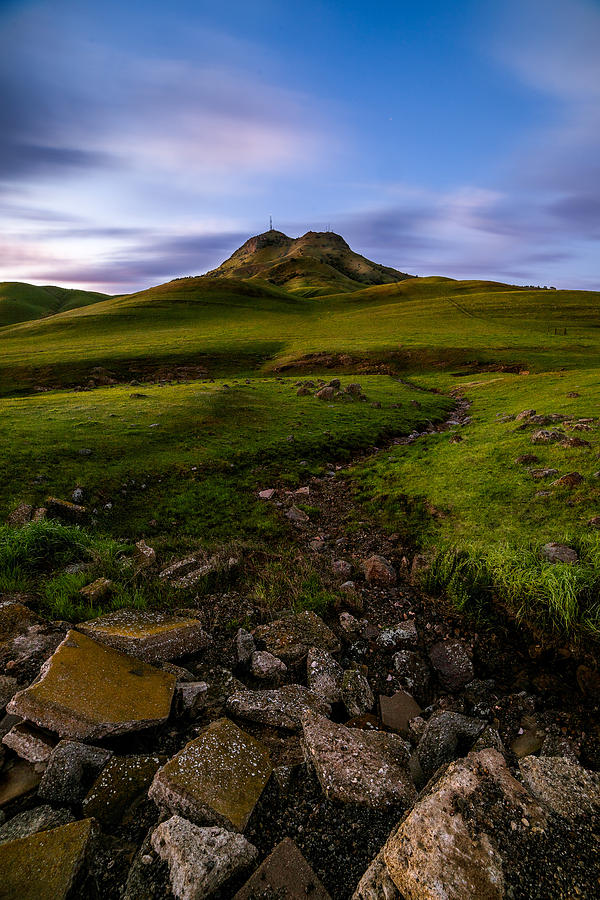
(21, 302)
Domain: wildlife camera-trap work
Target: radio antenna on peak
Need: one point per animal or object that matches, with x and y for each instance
(270, 223)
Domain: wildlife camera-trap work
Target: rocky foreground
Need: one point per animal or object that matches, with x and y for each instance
(387, 752)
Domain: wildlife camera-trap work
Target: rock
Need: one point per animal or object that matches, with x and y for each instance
(148, 635)
(77, 495)
(324, 675)
(25, 642)
(15, 619)
(97, 591)
(554, 552)
(280, 708)
(562, 786)
(573, 443)
(452, 663)
(572, 394)
(447, 846)
(326, 393)
(540, 474)
(87, 691)
(397, 711)
(376, 883)
(527, 459)
(379, 571)
(351, 626)
(200, 860)
(244, 647)
(342, 568)
(357, 695)
(190, 697)
(420, 564)
(570, 480)
(122, 781)
(594, 522)
(17, 779)
(285, 875)
(354, 389)
(20, 516)
(368, 768)
(447, 735)
(62, 509)
(47, 864)
(71, 769)
(217, 778)
(29, 743)
(414, 673)
(267, 494)
(296, 515)
(145, 556)
(266, 667)
(489, 739)
(303, 391)
(526, 414)
(529, 742)
(8, 688)
(542, 436)
(290, 639)
(40, 818)
(402, 635)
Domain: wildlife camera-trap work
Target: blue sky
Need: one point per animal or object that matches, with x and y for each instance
(145, 140)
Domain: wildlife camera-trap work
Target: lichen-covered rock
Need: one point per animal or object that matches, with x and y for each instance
(145, 556)
(357, 695)
(148, 635)
(290, 639)
(266, 667)
(562, 786)
(369, 768)
(47, 864)
(555, 552)
(87, 691)
(280, 707)
(244, 647)
(446, 736)
(121, 782)
(379, 571)
(40, 818)
(452, 662)
(63, 509)
(414, 674)
(400, 636)
(216, 779)
(201, 860)
(285, 875)
(324, 675)
(190, 697)
(15, 619)
(71, 769)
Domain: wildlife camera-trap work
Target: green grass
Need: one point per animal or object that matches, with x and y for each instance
(21, 302)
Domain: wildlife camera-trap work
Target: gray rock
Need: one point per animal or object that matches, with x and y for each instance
(296, 515)
(562, 786)
(200, 860)
(71, 769)
(369, 768)
(190, 697)
(324, 675)
(244, 647)
(280, 707)
(290, 639)
(554, 552)
(414, 673)
(401, 636)
(453, 665)
(447, 735)
(266, 667)
(357, 695)
(41, 818)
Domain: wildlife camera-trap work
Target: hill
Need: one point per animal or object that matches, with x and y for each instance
(319, 262)
(21, 302)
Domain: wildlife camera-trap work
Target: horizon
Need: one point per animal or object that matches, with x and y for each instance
(147, 143)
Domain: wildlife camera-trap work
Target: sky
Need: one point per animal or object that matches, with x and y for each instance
(146, 140)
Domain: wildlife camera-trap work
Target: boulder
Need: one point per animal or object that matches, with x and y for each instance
(368, 768)
(266, 667)
(87, 691)
(447, 735)
(562, 786)
(397, 711)
(376, 883)
(542, 436)
(40, 818)
(324, 675)
(290, 639)
(326, 393)
(414, 673)
(280, 707)
(570, 480)
(151, 636)
(285, 875)
(145, 556)
(267, 494)
(354, 389)
(379, 571)
(357, 695)
(71, 769)
(122, 781)
(20, 516)
(555, 552)
(47, 864)
(400, 636)
(97, 591)
(62, 509)
(452, 663)
(200, 860)
(342, 568)
(216, 779)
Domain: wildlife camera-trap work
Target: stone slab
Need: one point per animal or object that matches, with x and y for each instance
(290, 639)
(151, 636)
(216, 779)
(17, 780)
(41, 818)
(29, 743)
(47, 864)
(121, 782)
(397, 711)
(87, 691)
(284, 874)
(280, 707)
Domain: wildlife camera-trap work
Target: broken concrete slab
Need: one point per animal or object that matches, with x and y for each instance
(87, 691)
(369, 768)
(201, 860)
(29, 743)
(280, 707)
(284, 874)
(121, 782)
(47, 864)
(216, 779)
(397, 711)
(41, 818)
(151, 636)
(71, 769)
(291, 638)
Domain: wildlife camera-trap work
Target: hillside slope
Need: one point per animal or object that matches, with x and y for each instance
(22, 302)
(319, 262)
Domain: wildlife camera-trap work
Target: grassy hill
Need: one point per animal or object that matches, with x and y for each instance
(21, 302)
(319, 262)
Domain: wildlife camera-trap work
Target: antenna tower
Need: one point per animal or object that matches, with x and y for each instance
(270, 223)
